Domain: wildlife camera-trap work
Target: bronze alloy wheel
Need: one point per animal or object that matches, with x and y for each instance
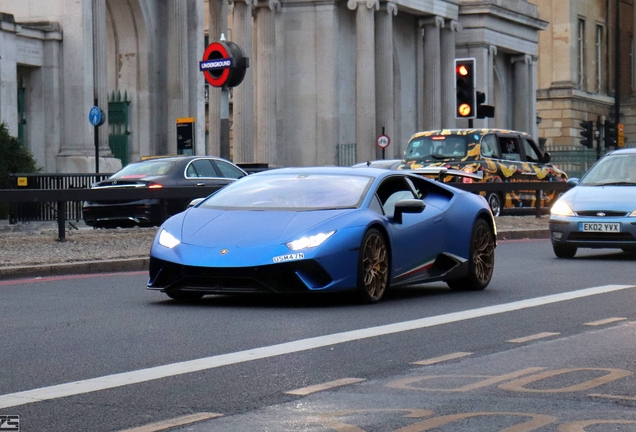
(483, 253)
(373, 268)
(481, 260)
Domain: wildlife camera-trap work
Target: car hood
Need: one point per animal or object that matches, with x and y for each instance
(209, 227)
(618, 198)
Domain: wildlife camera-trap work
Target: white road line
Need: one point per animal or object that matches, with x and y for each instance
(169, 370)
(440, 359)
(533, 337)
(605, 321)
(171, 423)
(324, 386)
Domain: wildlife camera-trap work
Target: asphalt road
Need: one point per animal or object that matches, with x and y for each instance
(548, 346)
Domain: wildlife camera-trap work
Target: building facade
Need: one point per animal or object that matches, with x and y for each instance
(326, 77)
(577, 68)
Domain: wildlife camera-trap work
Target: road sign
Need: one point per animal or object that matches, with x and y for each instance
(223, 64)
(96, 116)
(383, 141)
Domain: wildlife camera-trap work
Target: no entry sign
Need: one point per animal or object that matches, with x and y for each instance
(224, 64)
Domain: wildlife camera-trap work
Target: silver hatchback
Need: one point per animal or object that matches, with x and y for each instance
(600, 211)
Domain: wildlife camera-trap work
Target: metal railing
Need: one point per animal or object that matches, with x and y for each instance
(63, 196)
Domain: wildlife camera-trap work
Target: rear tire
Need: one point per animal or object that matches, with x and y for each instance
(185, 297)
(373, 267)
(481, 260)
(494, 202)
(562, 251)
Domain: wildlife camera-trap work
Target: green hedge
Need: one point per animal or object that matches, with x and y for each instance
(13, 159)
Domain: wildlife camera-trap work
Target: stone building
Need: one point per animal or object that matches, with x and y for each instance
(326, 77)
(576, 79)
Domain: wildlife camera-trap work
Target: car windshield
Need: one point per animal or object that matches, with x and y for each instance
(434, 148)
(291, 192)
(145, 169)
(614, 170)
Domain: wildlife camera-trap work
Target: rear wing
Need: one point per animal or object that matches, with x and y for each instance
(441, 172)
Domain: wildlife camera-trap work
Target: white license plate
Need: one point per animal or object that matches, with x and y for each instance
(600, 226)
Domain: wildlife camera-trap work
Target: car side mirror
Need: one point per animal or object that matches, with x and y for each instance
(407, 206)
(547, 157)
(195, 202)
(573, 181)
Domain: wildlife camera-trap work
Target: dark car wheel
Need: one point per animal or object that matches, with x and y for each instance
(481, 260)
(373, 267)
(494, 202)
(562, 251)
(185, 297)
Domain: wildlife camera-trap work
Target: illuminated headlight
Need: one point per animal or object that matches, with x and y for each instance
(560, 208)
(309, 242)
(168, 240)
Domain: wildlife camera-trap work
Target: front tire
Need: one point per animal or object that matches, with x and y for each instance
(494, 202)
(481, 260)
(373, 267)
(562, 251)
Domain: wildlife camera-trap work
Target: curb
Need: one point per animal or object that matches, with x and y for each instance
(141, 264)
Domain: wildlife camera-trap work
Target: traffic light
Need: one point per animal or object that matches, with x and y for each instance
(466, 98)
(587, 133)
(610, 134)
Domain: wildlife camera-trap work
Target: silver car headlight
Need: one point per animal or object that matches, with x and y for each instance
(309, 242)
(560, 208)
(168, 240)
(633, 214)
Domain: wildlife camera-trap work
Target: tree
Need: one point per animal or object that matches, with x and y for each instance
(13, 159)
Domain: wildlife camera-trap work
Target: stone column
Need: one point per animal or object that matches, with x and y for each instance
(100, 70)
(243, 95)
(217, 27)
(8, 74)
(365, 77)
(432, 72)
(265, 71)
(178, 83)
(52, 100)
(420, 78)
(534, 127)
(521, 93)
(385, 115)
(448, 38)
(77, 153)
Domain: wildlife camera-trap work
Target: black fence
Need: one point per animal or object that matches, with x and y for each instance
(47, 211)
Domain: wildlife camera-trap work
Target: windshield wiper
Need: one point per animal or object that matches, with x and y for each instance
(618, 183)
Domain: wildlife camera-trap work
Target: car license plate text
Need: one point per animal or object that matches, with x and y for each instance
(600, 227)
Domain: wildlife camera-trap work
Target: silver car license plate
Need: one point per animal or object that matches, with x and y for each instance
(600, 226)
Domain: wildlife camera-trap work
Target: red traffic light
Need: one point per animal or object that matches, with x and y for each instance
(462, 70)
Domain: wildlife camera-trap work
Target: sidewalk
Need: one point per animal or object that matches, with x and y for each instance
(32, 250)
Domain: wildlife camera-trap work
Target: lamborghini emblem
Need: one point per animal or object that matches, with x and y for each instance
(224, 251)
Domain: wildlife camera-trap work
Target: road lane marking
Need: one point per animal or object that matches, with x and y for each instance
(442, 358)
(33, 280)
(177, 421)
(533, 337)
(605, 321)
(201, 364)
(324, 386)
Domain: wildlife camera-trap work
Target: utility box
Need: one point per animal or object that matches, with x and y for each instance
(185, 136)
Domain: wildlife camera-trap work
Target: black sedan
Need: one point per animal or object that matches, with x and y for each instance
(185, 171)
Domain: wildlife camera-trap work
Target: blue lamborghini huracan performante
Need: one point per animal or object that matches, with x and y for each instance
(298, 230)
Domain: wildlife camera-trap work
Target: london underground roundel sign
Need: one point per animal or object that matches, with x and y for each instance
(224, 64)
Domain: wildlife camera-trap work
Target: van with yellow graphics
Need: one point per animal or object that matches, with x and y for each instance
(497, 155)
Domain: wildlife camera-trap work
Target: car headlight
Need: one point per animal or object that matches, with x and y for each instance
(309, 242)
(560, 208)
(168, 240)
(633, 214)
